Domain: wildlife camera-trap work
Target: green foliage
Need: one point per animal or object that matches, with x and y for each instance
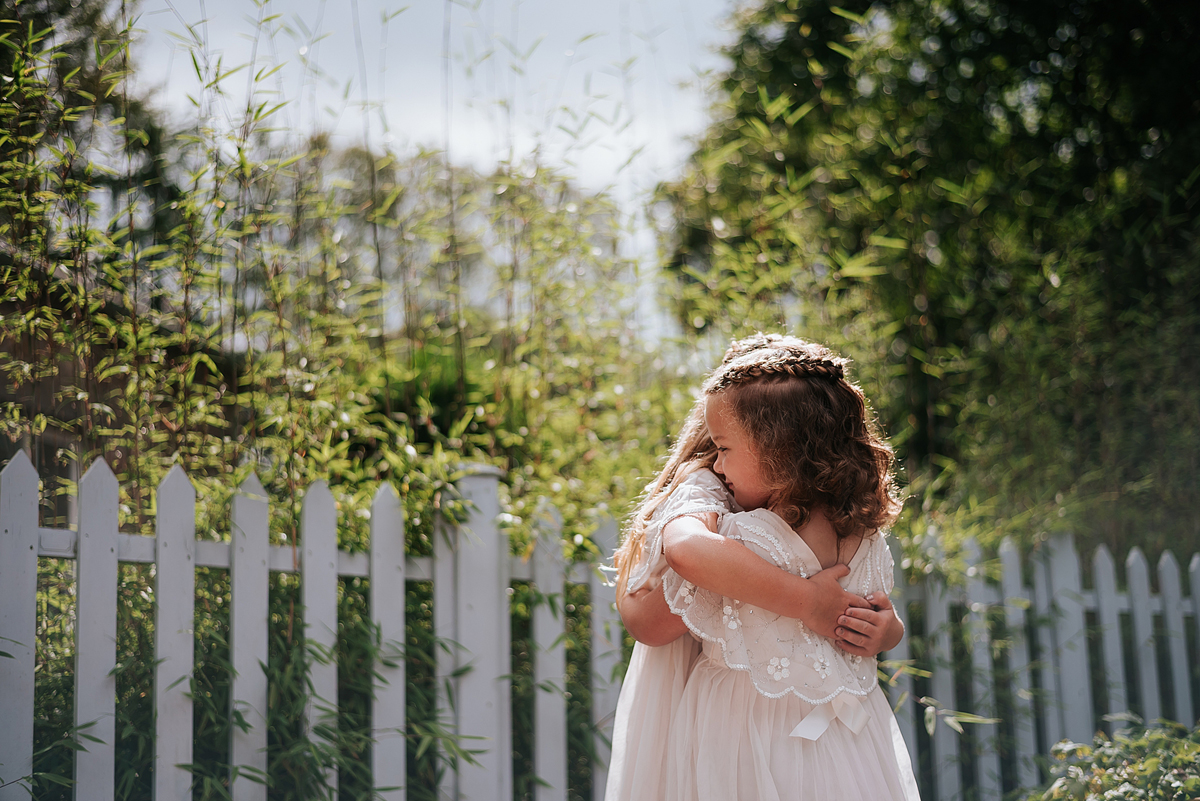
(993, 208)
(234, 298)
(1149, 764)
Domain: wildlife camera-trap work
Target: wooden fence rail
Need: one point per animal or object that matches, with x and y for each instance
(1060, 641)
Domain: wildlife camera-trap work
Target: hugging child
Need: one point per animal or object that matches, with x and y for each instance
(779, 698)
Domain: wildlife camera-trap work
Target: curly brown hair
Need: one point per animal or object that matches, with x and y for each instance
(817, 442)
(693, 450)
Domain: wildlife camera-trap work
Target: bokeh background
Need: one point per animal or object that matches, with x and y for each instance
(367, 243)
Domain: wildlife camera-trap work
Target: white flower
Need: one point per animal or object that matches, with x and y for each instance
(821, 666)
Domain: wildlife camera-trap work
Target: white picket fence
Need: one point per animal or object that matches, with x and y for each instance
(471, 574)
(1051, 696)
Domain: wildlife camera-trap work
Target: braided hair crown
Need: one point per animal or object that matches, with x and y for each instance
(775, 358)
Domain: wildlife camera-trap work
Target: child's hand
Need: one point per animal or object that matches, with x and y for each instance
(868, 631)
(828, 602)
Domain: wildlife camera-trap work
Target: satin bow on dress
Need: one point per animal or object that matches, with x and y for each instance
(846, 708)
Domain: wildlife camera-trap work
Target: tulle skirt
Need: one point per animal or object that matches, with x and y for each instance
(728, 742)
(650, 696)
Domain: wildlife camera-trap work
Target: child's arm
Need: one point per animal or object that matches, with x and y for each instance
(867, 632)
(647, 617)
(729, 568)
(644, 612)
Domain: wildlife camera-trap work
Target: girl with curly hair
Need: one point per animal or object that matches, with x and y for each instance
(768, 509)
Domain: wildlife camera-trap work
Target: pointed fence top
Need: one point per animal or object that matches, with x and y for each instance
(479, 469)
(973, 552)
(99, 472)
(253, 486)
(19, 464)
(1168, 562)
(175, 480)
(605, 536)
(386, 507)
(1136, 557)
(318, 489)
(385, 494)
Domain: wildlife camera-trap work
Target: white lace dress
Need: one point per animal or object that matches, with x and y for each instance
(773, 711)
(654, 682)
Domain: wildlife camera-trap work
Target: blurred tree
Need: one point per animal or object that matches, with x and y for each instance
(994, 206)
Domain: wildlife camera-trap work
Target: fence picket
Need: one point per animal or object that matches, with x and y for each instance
(96, 630)
(983, 677)
(1172, 604)
(607, 634)
(946, 767)
(902, 697)
(550, 664)
(445, 629)
(1137, 578)
(388, 596)
(1016, 601)
(318, 586)
(484, 630)
(174, 636)
(249, 586)
(1108, 613)
(1053, 726)
(1073, 675)
(1194, 587)
(18, 623)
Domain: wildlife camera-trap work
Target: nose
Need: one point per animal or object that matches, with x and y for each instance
(719, 464)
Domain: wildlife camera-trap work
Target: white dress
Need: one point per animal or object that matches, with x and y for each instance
(773, 711)
(654, 682)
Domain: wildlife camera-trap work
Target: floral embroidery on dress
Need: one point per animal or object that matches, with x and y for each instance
(730, 618)
(821, 665)
(687, 592)
(781, 655)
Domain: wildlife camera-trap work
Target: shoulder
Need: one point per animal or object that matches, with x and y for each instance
(703, 485)
(757, 519)
(766, 532)
(703, 479)
(698, 493)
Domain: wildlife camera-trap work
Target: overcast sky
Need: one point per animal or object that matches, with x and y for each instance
(590, 84)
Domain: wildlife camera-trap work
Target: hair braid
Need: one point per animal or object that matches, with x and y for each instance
(813, 432)
(778, 362)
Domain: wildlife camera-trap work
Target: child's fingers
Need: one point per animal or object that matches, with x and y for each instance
(857, 601)
(880, 600)
(861, 628)
(863, 613)
(851, 648)
(859, 634)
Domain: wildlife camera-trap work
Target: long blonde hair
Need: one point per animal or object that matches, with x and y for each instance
(693, 450)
